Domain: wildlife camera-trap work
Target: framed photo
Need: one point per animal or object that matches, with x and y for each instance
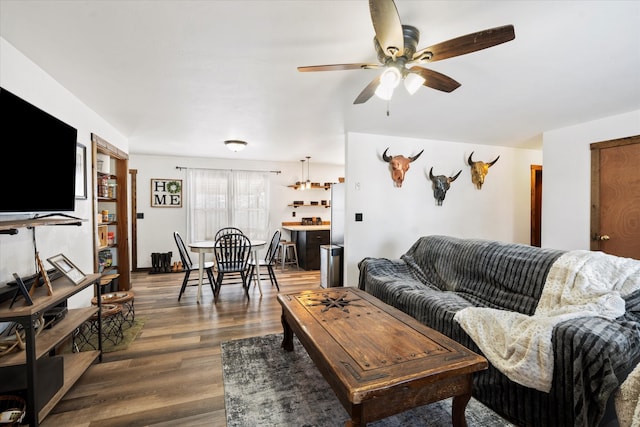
(166, 193)
(66, 267)
(22, 290)
(81, 171)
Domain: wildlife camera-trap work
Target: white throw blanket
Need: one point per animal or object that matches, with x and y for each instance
(627, 400)
(579, 284)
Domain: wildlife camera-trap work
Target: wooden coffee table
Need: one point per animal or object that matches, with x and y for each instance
(378, 360)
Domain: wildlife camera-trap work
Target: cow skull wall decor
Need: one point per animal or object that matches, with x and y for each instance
(479, 170)
(399, 166)
(441, 184)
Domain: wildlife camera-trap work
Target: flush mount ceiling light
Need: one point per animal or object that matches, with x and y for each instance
(235, 145)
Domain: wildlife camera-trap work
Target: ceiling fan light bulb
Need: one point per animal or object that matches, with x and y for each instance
(390, 78)
(384, 92)
(413, 82)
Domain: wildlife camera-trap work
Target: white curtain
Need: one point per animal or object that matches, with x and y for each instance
(222, 198)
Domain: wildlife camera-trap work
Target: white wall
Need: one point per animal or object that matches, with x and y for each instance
(24, 78)
(567, 177)
(155, 231)
(394, 218)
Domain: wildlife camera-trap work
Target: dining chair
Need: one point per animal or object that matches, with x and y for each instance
(189, 266)
(268, 261)
(232, 252)
(227, 230)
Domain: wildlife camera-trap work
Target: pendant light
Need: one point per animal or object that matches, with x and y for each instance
(308, 176)
(302, 184)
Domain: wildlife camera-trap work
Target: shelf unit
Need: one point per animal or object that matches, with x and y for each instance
(313, 187)
(11, 227)
(40, 346)
(314, 206)
(110, 194)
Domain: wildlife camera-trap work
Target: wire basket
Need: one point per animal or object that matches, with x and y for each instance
(12, 410)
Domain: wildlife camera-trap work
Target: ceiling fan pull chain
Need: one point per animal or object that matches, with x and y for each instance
(388, 102)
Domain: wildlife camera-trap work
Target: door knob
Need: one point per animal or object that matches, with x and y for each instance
(602, 238)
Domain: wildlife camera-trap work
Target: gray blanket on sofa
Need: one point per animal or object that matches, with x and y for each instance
(439, 275)
(579, 284)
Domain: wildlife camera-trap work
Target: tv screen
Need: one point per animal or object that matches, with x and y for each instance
(38, 173)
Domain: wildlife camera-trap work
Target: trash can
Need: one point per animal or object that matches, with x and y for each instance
(330, 266)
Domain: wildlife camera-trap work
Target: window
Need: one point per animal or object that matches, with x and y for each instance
(221, 198)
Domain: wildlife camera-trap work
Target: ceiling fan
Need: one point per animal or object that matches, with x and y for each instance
(395, 46)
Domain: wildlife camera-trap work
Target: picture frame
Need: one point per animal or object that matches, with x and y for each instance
(166, 193)
(42, 272)
(22, 290)
(67, 268)
(81, 171)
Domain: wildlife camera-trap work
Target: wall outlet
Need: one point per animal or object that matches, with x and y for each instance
(293, 214)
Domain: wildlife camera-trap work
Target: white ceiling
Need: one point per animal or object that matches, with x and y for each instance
(179, 77)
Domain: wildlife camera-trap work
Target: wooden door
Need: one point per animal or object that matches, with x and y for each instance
(536, 205)
(615, 197)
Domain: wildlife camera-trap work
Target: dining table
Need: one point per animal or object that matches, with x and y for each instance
(203, 247)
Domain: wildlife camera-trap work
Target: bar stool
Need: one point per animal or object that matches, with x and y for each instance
(288, 254)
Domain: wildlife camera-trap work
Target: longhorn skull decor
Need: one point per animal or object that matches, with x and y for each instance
(479, 170)
(399, 166)
(441, 184)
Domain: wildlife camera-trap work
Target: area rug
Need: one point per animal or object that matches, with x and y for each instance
(267, 386)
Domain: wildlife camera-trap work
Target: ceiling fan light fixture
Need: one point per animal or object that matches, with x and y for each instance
(235, 145)
(389, 80)
(390, 77)
(384, 92)
(413, 82)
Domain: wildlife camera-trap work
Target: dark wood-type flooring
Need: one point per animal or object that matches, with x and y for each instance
(171, 375)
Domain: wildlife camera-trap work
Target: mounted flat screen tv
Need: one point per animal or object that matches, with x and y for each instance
(38, 172)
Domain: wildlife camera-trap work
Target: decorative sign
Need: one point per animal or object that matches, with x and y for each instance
(166, 193)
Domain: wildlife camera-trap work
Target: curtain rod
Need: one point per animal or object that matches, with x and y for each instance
(230, 170)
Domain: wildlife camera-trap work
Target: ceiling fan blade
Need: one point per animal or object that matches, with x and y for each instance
(368, 91)
(337, 67)
(466, 44)
(435, 80)
(387, 25)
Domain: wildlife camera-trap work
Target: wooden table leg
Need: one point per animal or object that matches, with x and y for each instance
(254, 254)
(458, 408)
(356, 417)
(200, 274)
(287, 341)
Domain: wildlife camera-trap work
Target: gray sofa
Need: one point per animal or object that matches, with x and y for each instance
(440, 275)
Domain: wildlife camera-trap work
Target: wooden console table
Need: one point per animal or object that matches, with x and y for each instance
(39, 347)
